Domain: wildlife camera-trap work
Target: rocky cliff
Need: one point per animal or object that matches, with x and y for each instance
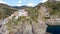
(35, 23)
(25, 24)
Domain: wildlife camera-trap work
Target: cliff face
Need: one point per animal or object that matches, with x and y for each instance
(34, 23)
(25, 24)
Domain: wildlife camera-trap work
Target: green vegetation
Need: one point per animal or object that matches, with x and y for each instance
(54, 7)
(6, 11)
(33, 16)
(12, 24)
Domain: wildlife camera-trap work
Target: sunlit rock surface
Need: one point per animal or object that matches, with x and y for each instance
(24, 27)
(3, 28)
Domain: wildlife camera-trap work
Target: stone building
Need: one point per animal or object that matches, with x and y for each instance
(22, 13)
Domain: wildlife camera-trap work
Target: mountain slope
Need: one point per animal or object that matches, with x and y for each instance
(53, 7)
(21, 7)
(6, 10)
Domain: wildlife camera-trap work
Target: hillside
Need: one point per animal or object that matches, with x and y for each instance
(6, 10)
(20, 7)
(54, 7)
(34, 23)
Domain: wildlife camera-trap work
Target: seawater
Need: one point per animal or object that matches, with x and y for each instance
(53, 29)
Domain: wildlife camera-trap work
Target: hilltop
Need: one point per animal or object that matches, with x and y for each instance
(52, 6)
(6, 10)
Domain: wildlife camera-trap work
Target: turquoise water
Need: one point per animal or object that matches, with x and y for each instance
(53, 29)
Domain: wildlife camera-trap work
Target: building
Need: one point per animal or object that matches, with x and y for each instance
(22, 13)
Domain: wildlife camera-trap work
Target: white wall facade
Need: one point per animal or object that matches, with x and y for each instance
(22, 13)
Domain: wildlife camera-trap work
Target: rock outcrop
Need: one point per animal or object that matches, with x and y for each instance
(25, 25)
(20, 22)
